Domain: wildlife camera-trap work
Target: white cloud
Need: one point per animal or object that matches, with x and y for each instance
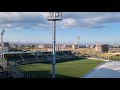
(5, 25)
(21, 19)
(70, 19)
(69, 22)
(92, 19)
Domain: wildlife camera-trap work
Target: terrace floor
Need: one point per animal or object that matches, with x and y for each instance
(108, 70)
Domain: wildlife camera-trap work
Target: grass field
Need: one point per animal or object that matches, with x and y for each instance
(73, 68)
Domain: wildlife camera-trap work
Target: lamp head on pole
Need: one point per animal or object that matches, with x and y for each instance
(54, 16)
(3, 31)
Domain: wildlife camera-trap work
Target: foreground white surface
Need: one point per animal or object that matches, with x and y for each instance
(108, 70)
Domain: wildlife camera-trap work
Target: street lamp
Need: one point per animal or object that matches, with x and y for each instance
(54, 16)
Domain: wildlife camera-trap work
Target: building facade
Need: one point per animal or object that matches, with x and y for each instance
(102, 48)
(6, 47)
(41, 46)
(75, 46)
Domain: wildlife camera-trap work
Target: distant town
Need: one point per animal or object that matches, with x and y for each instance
(98, 50)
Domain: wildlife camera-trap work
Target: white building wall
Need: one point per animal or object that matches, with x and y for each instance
(75, 46)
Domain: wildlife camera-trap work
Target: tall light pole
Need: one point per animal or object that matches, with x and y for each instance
(2, 44)
(54, 16)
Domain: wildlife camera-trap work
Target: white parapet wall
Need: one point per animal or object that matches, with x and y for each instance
(109, 69)
(99, 59)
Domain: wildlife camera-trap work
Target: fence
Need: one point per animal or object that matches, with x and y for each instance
(10, 68)
(13, 70)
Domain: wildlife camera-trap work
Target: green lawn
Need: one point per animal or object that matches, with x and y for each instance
(69, 69)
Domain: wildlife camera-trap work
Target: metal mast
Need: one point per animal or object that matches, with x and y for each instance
(54, 16)
(2, 44)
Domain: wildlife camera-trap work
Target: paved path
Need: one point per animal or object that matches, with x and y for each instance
(108, 70)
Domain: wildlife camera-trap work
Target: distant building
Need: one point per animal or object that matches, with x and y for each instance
(101, 47)
(115, 45)
(57, 47)
(6, 47)
(47, 45)
(41, 46)
(14, 46)
(87, 46)
(64, 46)
(68, 46)
(92, 46)
(75, 46)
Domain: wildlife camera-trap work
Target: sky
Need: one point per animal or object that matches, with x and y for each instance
(91, 27)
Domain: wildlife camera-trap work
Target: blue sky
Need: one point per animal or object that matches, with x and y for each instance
(91, 27)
